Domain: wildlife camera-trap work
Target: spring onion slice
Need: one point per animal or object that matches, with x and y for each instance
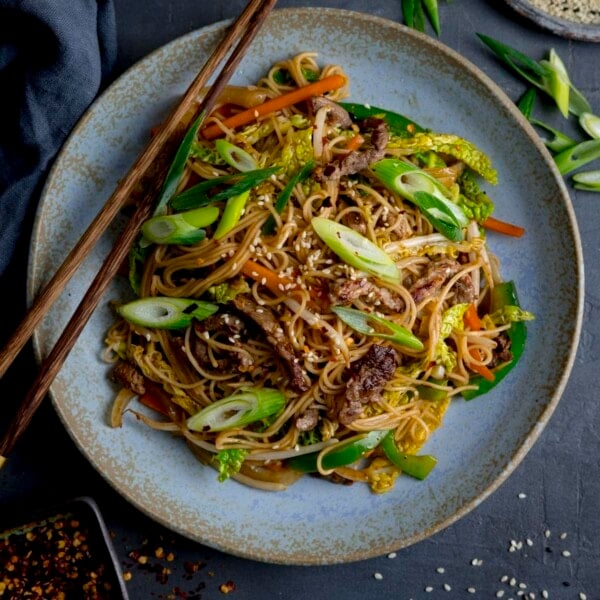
(559, 140)
(590, 123)
(361, 321)
(588, 181)
(423, 190)
(180, 228)
(235, 157)
(356, 250)
(237, 410)
(577, 156)
(163, 312)
(232, 214)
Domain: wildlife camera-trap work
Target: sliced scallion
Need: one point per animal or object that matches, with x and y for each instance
(559, 140)
(163, 312)
(180, 228)
(356, 250)
(363, 323)
(590, 123)
(231, 214)
(587, 180)
(237, 410)
(577, 156)
(235, 157)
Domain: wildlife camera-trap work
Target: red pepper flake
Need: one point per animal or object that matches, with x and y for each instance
(227, 588)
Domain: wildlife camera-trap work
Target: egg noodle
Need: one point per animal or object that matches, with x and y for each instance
(276, 289)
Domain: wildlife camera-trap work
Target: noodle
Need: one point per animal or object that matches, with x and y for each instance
(235, 350)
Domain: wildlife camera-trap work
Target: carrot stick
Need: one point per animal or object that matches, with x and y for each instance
(471, 318)
(355, 143)
(503, 227)
(275, 282)
(473, 321)
(317, 88)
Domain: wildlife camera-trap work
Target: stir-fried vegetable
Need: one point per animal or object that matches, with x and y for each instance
(180, 228)
(232, 213)
(316, 88)
(235, 156)
(502, 295)
(411, 464)
(424, 191)
(162, 312)
(240, 408)
(229, 462)
(398, 124)
(340, 455)
(504, 227)
(374, 325)
(356, 250)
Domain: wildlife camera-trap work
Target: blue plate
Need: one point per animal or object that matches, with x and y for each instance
(480, 443)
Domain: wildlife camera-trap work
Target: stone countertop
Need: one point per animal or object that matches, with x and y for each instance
(548, 508)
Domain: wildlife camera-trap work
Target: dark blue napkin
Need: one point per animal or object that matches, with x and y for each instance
(55, 56)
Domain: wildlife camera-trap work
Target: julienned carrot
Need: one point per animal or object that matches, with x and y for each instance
(503, 227)
(354, 143)
(275, 282)
(316, 88)
(472, 320)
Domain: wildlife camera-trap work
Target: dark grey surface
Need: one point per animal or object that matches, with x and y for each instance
(560, 477)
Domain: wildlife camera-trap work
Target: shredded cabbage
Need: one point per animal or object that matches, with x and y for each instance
(229, 462)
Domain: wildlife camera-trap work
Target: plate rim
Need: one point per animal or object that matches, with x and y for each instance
(535, 431)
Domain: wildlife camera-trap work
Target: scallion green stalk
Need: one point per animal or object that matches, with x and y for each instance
(180, 228)
(356, 250)
(590, 123)
(559, 140)
(362, 322)
(237, 410)
(577, 156)
(588, 181)
(163, 312)
(231, 214)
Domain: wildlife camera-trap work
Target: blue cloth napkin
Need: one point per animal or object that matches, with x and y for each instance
(55, 56)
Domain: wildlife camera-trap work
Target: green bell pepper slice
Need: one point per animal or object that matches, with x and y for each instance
(417, 466)
(344, 453)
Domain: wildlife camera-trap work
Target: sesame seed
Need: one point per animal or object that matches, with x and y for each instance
(499, 593)
(378, 575)
(392, 555)
(563, 536)
(523, 586)
(441, 570)
(545, 594)
(447, 587)
(547, 533)
(566, 553)
(471, 590)
(529, 542)
(513, 582)
(429, 589)
(522, 495)
(582, 596)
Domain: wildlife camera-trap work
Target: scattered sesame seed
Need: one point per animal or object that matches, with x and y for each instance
(474, 562)
(392, 555)
(499, 593)
(447, 587)
(504, 578)
(563, 536)
(429, 589)
(513, 582)
(582, 596)
(441, 570)
(378, 575)
(522, 495)
(529, 542)
(471, 590)
(566, 553)
(523, 586)
(547, 533)
(545, 594)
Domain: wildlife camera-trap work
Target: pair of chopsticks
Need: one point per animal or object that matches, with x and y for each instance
(242, 31)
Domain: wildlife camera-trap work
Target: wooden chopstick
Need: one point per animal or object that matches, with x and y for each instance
(244, 29)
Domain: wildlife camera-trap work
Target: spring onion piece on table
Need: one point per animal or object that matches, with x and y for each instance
(339, 455)
(526, 103)
(356, 250)
(577, 156)
(235, 157)
(559, 141)
(207, 192)
(237, 410)
(550, 76)
(361, 321)
(501, 296)
(424, 191)
(590, 123)
(163, 312)
(232, 213)
(180, 228)
(588, 181)
(285, 194)
(414, 12)
(411, 464)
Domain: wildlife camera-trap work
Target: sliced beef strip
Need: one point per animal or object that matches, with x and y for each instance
(308, 420)
(502, 352)
(336, 114)
(269, 323)
(358, 160)
(368, 377)
(351, 289)
(436, 275)
(130, 377)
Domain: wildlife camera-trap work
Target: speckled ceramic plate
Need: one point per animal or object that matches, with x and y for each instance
(481, 442)
(565, 27)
